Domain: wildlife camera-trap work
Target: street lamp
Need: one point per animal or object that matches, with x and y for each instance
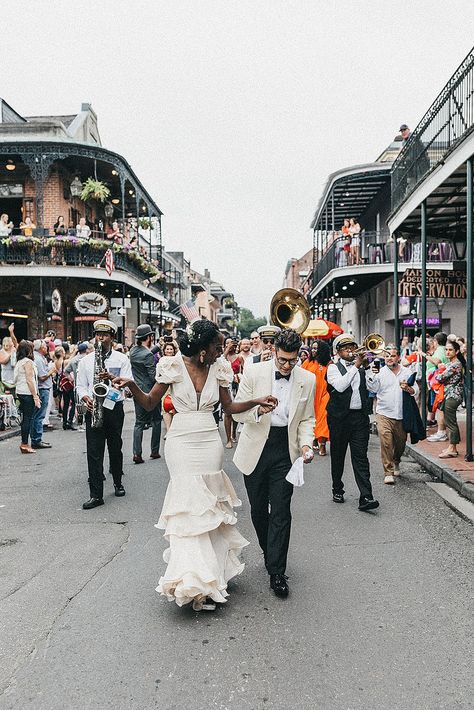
(76, 187)
(439, 304)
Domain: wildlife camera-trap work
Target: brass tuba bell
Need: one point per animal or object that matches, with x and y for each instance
(290, 309)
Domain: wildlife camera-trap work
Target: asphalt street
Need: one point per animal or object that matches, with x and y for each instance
(379, 614)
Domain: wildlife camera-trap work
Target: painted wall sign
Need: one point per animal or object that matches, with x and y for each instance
(91, 303)
(439, 284)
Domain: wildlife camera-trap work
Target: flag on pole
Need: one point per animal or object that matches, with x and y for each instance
(189, 311)
(109, 261)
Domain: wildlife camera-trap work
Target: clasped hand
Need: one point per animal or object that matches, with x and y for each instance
(266, 404)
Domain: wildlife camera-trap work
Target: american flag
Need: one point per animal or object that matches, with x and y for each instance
(189, 311)
(109, 261)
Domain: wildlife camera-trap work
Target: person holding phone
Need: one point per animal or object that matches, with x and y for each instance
(388, 384)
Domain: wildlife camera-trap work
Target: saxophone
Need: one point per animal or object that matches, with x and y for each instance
(99, 388)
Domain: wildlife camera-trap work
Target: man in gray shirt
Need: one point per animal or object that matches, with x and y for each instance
(144, 369)
(45, 382)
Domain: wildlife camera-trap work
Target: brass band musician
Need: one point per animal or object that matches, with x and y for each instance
(104, 414)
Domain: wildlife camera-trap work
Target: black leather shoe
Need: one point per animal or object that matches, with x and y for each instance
(367, 503)
(93, 503)
(41, 445)
(279, 585)
(138, 459)
(338, 497)
(119, 491)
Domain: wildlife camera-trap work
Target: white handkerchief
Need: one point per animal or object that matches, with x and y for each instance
(295, 474)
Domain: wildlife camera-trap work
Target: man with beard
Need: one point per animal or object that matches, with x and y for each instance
(348, 420)
(389, 385)
(244, 351)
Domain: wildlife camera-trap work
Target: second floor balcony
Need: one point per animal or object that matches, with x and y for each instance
(338, 268)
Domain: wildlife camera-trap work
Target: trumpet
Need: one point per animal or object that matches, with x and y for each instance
(373, 343)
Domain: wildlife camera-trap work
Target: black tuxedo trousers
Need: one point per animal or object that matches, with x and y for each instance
(351, 430)
(270, 497)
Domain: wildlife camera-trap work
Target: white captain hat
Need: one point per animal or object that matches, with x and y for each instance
(343, 340)
(105, 326)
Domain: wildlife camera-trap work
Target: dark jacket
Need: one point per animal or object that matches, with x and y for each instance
(143, 367)
(412, 421)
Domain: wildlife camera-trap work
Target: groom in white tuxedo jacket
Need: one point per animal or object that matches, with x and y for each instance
(270, 443)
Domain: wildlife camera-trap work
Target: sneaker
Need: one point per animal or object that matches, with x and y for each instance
(439, 436)
(390, 480)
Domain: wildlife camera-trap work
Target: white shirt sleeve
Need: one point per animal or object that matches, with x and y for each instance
(338, 381)
(82, 382)
(372, 381)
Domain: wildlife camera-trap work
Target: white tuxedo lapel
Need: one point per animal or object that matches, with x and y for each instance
(295, 396)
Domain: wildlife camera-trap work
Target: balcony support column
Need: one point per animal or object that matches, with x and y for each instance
(469, 294)
(396, 299)
(423, 309)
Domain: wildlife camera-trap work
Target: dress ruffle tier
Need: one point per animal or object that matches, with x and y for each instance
(198, 520)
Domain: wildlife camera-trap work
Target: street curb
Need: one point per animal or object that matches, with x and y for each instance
(443, 473)
(9, 434)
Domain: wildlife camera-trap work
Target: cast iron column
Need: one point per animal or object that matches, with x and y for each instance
(396, 299)
(469, 255)
(423, 310)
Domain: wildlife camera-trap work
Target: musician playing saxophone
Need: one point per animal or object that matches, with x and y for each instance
(104, 418)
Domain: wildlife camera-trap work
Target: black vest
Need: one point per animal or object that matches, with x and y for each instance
(340, 402)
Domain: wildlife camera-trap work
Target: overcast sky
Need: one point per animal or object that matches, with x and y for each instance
(234, 113)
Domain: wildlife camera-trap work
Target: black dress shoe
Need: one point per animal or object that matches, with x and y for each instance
(119, 491)
(138, 459)
(41, 445)
(338, 497)
(367, 503)
(279, 585)
(92, 503)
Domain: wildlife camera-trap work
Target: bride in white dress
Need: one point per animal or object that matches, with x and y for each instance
(197, 515)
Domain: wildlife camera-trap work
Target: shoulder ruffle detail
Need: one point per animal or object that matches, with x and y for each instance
(224, 372)
(168, 370)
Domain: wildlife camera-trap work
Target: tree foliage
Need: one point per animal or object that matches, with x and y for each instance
(248, 322)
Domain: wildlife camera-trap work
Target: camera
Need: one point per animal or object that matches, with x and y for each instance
(167, 338)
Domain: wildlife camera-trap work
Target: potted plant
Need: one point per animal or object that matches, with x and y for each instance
(144, 223)
(94, 189)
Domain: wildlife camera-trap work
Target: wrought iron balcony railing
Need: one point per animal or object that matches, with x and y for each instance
(447, 122)
(378, 248)
(71, 251)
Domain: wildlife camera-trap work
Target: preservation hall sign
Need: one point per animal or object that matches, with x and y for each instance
(439, 284)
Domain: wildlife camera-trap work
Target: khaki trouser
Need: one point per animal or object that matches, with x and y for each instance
(392, 442)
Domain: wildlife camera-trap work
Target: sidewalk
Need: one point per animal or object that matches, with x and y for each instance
(9, 433)
(457, 473)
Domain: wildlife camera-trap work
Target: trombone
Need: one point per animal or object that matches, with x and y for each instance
(373, 343)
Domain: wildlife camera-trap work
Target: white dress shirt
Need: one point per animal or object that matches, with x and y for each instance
(342, 382)
(386, 385)
(281, 389)
(117, 364)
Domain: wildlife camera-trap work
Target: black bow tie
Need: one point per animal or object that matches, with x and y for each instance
(279, 376)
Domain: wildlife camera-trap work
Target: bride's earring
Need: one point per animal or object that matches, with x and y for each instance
(201, 358)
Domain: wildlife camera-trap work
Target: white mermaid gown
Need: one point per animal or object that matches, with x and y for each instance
(197, 515)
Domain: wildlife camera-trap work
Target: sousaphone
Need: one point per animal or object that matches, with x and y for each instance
(290, 309)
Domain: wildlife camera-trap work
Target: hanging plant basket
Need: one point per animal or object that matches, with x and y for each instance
(144, 223)
(94, 190)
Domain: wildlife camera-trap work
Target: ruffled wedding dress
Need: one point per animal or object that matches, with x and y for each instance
(197, 516)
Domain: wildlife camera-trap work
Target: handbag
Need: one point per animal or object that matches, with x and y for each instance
(65, 383)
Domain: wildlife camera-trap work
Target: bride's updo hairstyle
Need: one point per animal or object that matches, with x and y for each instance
(198, 337)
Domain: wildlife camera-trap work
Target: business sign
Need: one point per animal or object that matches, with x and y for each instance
(56, 301)
(439, 284)
(80, 319)
(91, 303)
(413, 322)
